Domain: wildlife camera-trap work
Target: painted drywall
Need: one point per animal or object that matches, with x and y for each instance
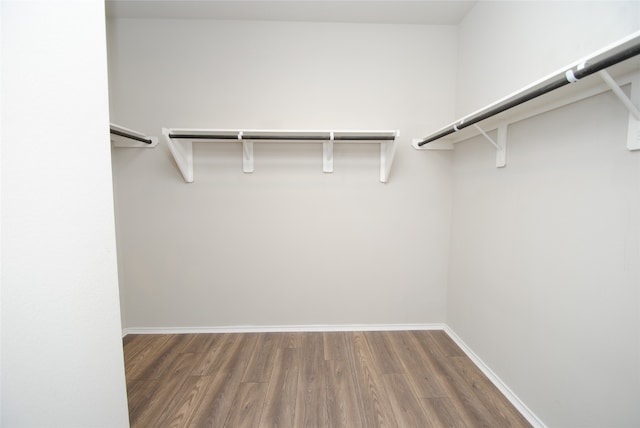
(62, 362)
(287, 245)
(544, 273)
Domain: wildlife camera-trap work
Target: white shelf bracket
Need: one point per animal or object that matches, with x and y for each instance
(500, 145)
(247, 154)
(501, 154)
(327, 154)
(182, 152)
(387, 153)
(633, 130)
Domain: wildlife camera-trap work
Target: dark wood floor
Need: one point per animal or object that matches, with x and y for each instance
(347, 379)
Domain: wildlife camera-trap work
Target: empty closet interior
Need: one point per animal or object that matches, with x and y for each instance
(269, 174)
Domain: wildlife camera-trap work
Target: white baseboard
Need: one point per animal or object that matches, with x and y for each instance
(504, 389)
(281, 328)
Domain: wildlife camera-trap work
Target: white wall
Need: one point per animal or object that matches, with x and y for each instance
(544, 273)
(286, 245)
(62, 362)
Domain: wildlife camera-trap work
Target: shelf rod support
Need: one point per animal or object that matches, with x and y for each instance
(182, 152)
(387, 153)
(615, 88)
(487, 137)
(501, 153)
(247, 154)
(613, 85)
(500, 145)
(327, 154)
(630, 102)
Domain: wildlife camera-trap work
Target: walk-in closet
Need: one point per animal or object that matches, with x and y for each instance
(320, 213)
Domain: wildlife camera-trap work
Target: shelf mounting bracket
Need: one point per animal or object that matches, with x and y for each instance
(500, 145)
(327, 154)
(387, 153)
(182, 151)
(247, 154)
(633, 129)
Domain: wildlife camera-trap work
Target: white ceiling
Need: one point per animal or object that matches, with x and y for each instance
(442, 12)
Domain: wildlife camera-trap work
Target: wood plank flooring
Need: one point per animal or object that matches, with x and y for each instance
(344, 379)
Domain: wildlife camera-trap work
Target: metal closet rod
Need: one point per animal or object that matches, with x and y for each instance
(570, 76)
(131, 136)
(255, 137)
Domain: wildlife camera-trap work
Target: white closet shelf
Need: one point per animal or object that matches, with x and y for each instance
(180, 143)
(568, 85)
(124, 137)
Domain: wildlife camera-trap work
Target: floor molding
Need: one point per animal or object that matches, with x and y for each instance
(282, 328)
(504, 389)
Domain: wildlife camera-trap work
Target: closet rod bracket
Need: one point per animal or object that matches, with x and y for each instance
(387, 153)
(247, 154)
(500, 145)
(631, 103)
(182, 151)
(327, 154)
